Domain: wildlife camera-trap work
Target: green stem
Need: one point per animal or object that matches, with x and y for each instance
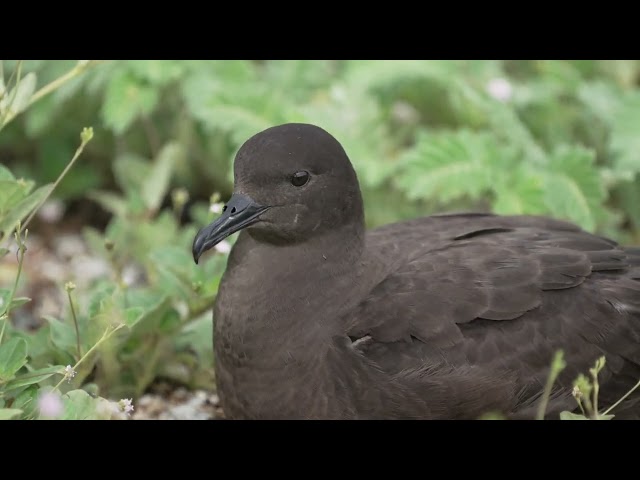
(77, 70)
(105, 336)
(75, 323)
(556, 367)
(83, 143)
(21, 250)
(17, 73)
(622, 399)
(596, 389)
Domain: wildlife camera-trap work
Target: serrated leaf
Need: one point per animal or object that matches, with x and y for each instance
(125, 100)
(157, 182)
(573, 186)
(9, 413)
(35, 376)
(602, 99)
(447, 167)
(23, 208)
(158, 72)
(522, 194)
(13, 356)
(624, 141)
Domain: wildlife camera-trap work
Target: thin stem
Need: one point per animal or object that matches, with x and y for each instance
(84, 142)
(75, 323)
(78, 69)
(596, 389)
(556, 367)
(58, 82)
(21, 250)
(17, 73)
(622, 398)
(105, 336)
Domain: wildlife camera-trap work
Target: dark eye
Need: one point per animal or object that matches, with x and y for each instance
(299, 178)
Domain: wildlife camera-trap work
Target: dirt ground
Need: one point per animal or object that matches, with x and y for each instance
(168, 403)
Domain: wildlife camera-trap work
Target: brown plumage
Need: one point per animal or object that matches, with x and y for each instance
(442, 317)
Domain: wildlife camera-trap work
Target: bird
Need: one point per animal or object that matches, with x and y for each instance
(443, 317)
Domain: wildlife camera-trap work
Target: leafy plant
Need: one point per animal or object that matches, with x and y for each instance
(515, 137)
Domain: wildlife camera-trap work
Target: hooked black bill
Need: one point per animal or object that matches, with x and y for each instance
(240, 212)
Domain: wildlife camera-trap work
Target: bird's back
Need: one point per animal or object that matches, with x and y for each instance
(473, 306)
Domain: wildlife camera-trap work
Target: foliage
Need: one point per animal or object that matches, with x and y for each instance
(549, 137)
(515, 137)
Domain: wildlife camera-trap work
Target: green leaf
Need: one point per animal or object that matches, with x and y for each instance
(573, 186)
(23, 93)
(110, 201)
(157, 72)
(62, 334)
(571, 416)
(447, 167)
(156, 184)
(12, 191)
(605, 417)
(151, 319)
(131, 172)
(522, 194)
(126, 99)
(79, 405)
(5, 173)
(19, 301)
(26, 401)
(624, 140)
(13, 356)
(23, 208)
(33, 377)
(602, 99)
(9, 413)
(3, 252)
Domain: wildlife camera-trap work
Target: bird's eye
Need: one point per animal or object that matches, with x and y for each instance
(300, 178)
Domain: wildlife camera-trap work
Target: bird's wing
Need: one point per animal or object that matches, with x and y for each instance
(490, 299)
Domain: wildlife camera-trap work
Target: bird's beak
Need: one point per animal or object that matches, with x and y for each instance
(240, 212)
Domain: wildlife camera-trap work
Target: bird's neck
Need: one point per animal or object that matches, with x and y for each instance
(293, 286)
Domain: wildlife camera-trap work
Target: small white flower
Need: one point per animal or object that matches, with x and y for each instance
(126, 405)
(500, 89)
(223, 247)
(50, 405)
(576, 392)
(216, 208)
(69, 373)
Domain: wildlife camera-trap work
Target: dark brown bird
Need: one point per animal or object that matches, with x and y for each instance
(443, 317)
